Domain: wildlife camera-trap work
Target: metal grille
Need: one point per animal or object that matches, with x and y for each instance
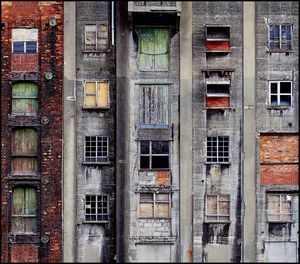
(96, 149)
(218, 149)
(96, 208)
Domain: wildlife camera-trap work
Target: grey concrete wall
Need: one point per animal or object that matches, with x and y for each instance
(275, 66)
(95, 179)
(69, 133)
(209, 122)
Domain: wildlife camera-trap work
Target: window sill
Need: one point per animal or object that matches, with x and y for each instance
(217, 163)
(95, 51)
(154, 127)
(24, 177)
(154, 218)
(217, 51)
(96, 163)
(95, 108)
(164, 169)
(153, 70)
(281, 221)
(217, 108)
(279, 51)
(278, 107)
(217, 222)
(95, 222)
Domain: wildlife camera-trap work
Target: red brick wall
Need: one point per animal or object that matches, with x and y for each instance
(35, 14)
(279, 174)
(217, 101)
(217, 45)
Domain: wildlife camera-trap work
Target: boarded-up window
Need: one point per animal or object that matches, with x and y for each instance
(154, 49)
(24, 210)
(279, 207)
(24, 98)
(24, 40)
(24, 151)
(217, 95)
(217, 208)
(217, 38)
(154, 154)
(154, 106)
(96, 38)
(154, 205)
(96, 95)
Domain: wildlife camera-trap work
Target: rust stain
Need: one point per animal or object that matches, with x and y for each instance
(217, 101)
(217, 45)
(190, 252)
(162, 178)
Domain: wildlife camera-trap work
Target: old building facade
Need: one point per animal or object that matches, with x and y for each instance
(180, 131)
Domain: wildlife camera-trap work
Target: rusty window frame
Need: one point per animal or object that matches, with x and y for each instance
(101, 208)
(218, 149)
(154, 201)
(280, 40)
(217, 215)
(96, 94)
(288, 198)
(98, 47)
(99, 147)
(278, 94)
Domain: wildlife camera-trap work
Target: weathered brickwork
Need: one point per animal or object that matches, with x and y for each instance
(279, 174)
(45, 245)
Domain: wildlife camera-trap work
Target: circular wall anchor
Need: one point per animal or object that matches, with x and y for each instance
(45, 239)
(48, 75)
(52, 22)
(45, 120)
(45, 180)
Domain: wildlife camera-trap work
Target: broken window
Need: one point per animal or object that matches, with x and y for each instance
(96, 149)
(154, 49)
(24, 151)
(154, 205)
(96, 208)
(217, 95)
(24, 210)
(280, 93)
(24, 98)
(154, 154)
(217, 208)
(154, 106)
(96, 38)
(217, 38)
(24, 40)
(280, 37)
(218, 149)
(96, 95)
(279, 207)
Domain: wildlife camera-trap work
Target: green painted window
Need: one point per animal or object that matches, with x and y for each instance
(24, 98)
(24, 210)
(154, 49)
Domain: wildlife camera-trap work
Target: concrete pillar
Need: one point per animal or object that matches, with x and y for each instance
(69, 133)
(249, 177)
(186, 134)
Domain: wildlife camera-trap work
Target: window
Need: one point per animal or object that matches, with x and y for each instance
(24, 210)
(154, 205)
(280, 37)
(217, 208)
(96, 38)
(218, 149)
(24, 98)
(217, 95)
(217, 38)
(280, 93)
(154, 154)
(24, 40)
(96, 149)
(24, 151)
(96, 95)
(279, 207)
(96, 208)
(154, 49)
(154, 104)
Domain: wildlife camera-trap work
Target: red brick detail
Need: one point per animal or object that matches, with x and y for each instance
(223, 45)
(279, 148)
(279, 174)
(163, 178)
(217, 101)
(24, 253)
(24, 62)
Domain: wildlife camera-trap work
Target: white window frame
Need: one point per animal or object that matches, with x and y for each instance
(280, 36)
(279, 94)
(217, 157)
(280, 207)
(154, 202)
(96, 209)
(18, 38)
(85, 93)
(218, 215)
(97, 162)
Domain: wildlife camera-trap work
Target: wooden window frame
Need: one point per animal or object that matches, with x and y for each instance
(280, 208)
(217, 215)
(104, 205)
(154, 203)
(97, 48)
(97, 138)
(217, 156)
(278, 94)
(96, 94)
(280, 38)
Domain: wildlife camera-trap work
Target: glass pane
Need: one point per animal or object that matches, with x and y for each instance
(285, 87)
(144, 162)
(162, 197)
(274, 88)
(31, 47)
(102, 100)
(18, 47)
(144, 145)
(17, 225)
(160, 147)
(160, 162)
(147, 48)
(274, 100)
(30, 201)
(18, 201)
(285, 100)
(30, 224)
(161, 48)
(146, 197)
(24, 166)
(90, 37)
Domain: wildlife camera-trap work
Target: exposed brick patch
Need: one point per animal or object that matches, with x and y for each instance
(279, 174)
(217, 101)
(24, 62)
(24, 253)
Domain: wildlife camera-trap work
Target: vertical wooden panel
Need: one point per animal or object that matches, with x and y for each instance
(102, 100)
(162, 210)
(24, 165)
(146, 210)
(211, 204)
(147, 48)
(161, 48)
(90, 94)
(24, 141)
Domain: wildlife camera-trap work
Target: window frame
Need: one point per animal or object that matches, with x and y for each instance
(96, 209)
(96, 162)
(154, 203)
(280, 37)
(217, 215)
(96, 94)
(218, 157)
(150, 155)
(96, 50)
(280, 208)
(279, 94)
